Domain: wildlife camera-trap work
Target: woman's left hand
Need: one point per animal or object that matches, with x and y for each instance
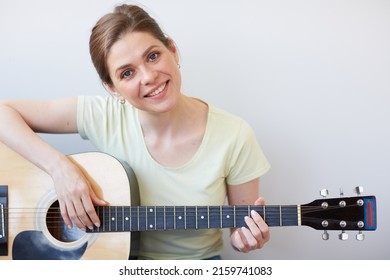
(254, 236)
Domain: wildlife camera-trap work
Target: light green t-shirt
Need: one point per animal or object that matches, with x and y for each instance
(229, 153)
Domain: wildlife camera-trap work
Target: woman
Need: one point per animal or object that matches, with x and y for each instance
(183, 151)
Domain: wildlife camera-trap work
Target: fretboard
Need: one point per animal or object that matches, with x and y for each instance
(152, 218)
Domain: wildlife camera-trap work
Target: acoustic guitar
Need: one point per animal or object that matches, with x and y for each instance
(31, 226)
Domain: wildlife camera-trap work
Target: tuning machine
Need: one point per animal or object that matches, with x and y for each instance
(360, 236)
(358, 190)
(343, 235)
(324, 193)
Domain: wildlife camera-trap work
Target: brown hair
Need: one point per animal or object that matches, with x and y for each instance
(109, 29)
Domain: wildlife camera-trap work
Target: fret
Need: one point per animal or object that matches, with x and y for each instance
(235, 218)
(165, 216)
(280, 216)
(196, 217)
(220, 215)
(155, 217)
(208, 216)
(2, 219)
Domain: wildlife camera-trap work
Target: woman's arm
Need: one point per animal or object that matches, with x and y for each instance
(257, 234)
(19, 122)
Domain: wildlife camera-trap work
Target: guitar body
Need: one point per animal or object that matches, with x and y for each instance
(30, 196)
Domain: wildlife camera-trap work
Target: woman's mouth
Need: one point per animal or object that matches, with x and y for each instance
(157, 91)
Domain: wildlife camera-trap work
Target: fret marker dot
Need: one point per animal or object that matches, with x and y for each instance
(113, 218)
(202, 217)
(127, 218)
(179, 217)
(150, 210)
(151, 226)
(227, 216)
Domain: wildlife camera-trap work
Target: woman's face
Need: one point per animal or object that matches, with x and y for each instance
(144, 72)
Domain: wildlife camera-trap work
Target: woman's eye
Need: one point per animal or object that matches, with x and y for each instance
(127, 74)
(153, 56)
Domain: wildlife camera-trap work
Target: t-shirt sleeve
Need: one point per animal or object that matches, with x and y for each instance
(94, 114)
(248, 160)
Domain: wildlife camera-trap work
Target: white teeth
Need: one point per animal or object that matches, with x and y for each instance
(157, 91)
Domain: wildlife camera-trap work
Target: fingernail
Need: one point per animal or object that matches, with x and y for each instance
(97, 224)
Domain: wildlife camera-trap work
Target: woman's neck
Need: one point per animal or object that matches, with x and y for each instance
(187, 113)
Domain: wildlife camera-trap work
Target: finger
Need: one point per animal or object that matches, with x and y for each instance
(239, 242)
(260, 201)
(91, 212)
(261, 226)
(65, 216)
(79, 216)
(252, 234)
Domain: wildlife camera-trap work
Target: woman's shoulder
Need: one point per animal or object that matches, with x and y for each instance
(225, 118)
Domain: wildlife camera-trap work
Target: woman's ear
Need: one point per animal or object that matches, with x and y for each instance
(114, 93)
(173, 49)
(111, 89)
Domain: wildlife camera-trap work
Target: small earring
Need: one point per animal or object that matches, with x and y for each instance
(122, 100)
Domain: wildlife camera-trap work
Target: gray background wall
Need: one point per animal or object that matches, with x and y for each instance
(311, 77)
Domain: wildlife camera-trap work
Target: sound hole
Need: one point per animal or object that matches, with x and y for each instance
(58, 229)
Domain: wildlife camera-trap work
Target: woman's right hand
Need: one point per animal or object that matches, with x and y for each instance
(26, 117)
(75, 196)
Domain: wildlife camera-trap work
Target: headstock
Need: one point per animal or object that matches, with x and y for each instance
(344, 213)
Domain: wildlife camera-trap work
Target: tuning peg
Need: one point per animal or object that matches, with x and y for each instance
(360, 236)
(343, 235)
(358, 190)
(325, 235)
(324, 192)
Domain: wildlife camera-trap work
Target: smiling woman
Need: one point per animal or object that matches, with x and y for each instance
(183, 150)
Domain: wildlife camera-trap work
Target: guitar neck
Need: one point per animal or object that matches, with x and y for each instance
(152, 218)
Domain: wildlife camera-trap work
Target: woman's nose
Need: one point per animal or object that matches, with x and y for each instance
(148, 75)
